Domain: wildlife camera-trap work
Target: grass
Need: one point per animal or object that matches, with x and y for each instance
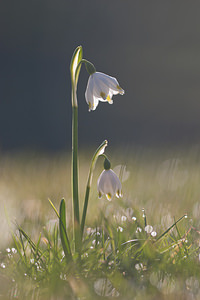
(140, 246)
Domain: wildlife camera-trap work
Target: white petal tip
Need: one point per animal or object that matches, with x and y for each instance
(120, 90)
(91, 107)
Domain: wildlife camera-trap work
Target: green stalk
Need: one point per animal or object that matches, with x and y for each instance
(98, 152)
(75, 195)
(75, 70)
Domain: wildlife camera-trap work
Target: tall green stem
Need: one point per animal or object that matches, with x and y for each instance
(75, 195)
(75, 70)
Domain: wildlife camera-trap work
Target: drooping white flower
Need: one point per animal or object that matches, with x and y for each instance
(109, 184)
(101, 87)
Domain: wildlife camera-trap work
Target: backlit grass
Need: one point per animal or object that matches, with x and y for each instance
(128, 252)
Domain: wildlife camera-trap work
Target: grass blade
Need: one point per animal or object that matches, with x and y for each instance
(63, 232)
(168, 229)
(54, 208)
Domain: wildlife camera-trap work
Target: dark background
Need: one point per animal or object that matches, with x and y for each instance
(151, 47)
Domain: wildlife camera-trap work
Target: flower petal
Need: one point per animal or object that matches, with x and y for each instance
(111, 82)
(91, 100)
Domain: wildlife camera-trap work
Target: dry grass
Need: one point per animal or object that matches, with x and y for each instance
(166, 184)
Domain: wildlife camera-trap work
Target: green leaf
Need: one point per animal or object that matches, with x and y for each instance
(76, 59)
(52, 205)
(63, 232)
(38, 254)
(16, 241)
(168, 229)
(31, 243)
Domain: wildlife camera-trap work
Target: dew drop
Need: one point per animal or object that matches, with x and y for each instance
(154, 233)
(148, 229)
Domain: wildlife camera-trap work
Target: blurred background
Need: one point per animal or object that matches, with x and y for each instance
(151, 47)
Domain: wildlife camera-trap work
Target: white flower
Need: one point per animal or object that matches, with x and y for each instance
(101, 87)
(109, 184)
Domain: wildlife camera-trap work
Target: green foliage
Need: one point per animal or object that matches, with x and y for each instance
(63, 231)
(119, 257)
(75, 62)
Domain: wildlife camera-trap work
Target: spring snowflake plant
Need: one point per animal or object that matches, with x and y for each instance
(122, 245)
(100, 87)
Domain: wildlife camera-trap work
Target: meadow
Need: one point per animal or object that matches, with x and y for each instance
(143, 245)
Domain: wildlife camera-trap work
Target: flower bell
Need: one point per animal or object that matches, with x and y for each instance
(101, 87)
(108, 183)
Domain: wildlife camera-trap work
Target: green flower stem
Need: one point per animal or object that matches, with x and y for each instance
(97, 153)
(75, 195)
(75, 161)
(76, 58)
(90, 68)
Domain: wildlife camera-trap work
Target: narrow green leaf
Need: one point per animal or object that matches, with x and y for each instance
(138, 251)
(31, 243)
(17, 241)
(37, 245)
(133, 241)
(76, 58)
(63, 232)
(110, 232)
(18, 246)
(174, 224)
(35, 248)
(22, 243)
(54, 208)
